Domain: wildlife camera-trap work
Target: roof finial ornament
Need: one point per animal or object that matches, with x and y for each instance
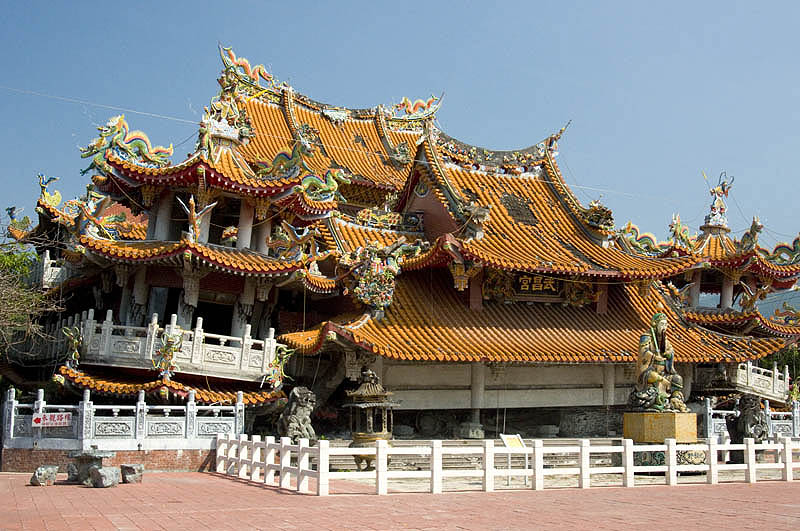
(194, 216)
(716, 217)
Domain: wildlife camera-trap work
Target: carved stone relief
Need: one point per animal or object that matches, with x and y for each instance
(164, 428)
(112, 428)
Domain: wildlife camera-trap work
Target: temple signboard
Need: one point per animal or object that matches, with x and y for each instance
(529, 286)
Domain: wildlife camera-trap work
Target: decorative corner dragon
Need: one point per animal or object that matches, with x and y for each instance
(131, 145)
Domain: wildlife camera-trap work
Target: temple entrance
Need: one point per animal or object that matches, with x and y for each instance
(217, 318)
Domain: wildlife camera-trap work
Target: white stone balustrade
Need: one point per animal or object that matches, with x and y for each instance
(277, 462)
(46, 272)
(769, 383)
(238, 358)
(140, 426)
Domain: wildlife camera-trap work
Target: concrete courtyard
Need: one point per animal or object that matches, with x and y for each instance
(210, 501)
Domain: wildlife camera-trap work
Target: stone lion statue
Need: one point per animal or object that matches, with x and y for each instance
(295, 421)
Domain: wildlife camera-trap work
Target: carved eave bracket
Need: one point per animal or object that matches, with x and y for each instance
(463, 272)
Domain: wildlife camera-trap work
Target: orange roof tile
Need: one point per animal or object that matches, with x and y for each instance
(429, 321)
(234, 260)
(350, 235)
(738, 319)
(131, 386)
(529, 229)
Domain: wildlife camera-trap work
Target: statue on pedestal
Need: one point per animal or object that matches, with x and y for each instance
(658, 387)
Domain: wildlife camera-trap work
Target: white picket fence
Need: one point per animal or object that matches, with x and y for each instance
(277, 463)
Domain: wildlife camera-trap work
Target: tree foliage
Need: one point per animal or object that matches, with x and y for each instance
(21, 305)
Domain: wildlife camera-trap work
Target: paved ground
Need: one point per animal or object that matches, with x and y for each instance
(209, 501)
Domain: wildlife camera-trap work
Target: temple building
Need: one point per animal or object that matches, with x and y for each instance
(311, 240)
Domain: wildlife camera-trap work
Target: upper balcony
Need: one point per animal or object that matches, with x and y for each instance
(237, 358)
(747, 378)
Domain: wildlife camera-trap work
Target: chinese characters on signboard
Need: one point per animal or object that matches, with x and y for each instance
(529, 285)
(51, 420)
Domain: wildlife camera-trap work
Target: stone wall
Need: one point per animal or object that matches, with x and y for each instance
(27, 460)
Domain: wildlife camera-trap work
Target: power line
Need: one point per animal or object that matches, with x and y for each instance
(94, 104)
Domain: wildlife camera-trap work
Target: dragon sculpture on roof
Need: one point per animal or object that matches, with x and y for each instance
(135, 146)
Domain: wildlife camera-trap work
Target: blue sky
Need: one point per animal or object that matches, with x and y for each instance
(657, 92)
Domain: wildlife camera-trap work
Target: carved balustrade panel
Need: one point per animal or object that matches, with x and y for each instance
(117, 427)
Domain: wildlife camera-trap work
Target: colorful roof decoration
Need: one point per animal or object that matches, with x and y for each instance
(238, 261)
(429, 322)
(529, 229)
(130, 385)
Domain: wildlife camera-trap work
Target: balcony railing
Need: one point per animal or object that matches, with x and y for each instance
(106, 343)
(771, 384)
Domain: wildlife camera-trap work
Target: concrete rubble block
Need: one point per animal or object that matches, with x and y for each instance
(104, 476)
(44, 476)
(132, 473)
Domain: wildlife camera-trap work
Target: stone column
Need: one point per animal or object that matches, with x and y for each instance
(124, 303)
(243, 308)
(474, 429)
(726, 296)
(262, 237)
(141, 292)
(164, 216)
(246, 212)
(694, 291)
(609, 383)
(152, 218)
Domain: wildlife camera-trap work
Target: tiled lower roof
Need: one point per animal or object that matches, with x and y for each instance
(429, 321)
(737, 319)
(225, 258)
(130, 386)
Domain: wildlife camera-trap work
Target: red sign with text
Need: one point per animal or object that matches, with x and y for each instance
(51, 420)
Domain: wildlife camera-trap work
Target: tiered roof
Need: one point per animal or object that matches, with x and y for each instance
(429, 321)
(130, 385)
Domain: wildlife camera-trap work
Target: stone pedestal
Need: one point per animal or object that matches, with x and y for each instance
(655, 428)
(470, 430)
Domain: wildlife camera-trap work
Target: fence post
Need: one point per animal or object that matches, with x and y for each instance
(708, 418)
(488, 465)
(269, 460)
(220, 452)
(768, 414)
(241, 459)
(197, 342)
(284, 475)
(672, 462)
(381, 466)
(712, 456)
(323, 460)
(191, 415)
(436, 467)
(141, 416)
(9, 411)
(244, 357)
(233, 452)
(584, 480)
(256, 463)
(239, 412)
(38, 407)
(628, 478)
(302, 466)
(86, 419)
(538, 464)
(788, 467)
(750, 460)
(152, 336)
(795, 418)
(105, 335)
